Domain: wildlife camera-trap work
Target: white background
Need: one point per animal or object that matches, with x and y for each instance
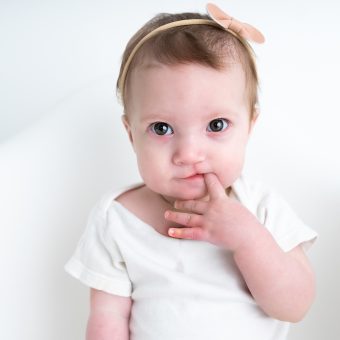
(62, 144)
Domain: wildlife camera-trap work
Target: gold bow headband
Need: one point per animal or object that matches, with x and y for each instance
(219, 18)
(244, 30)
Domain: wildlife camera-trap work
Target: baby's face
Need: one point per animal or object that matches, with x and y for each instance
(187, 120)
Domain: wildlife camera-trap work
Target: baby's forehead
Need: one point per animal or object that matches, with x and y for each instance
(154, 72)
(186, 87)
(156, 80)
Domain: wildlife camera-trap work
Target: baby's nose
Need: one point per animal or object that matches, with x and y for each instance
(188, 151)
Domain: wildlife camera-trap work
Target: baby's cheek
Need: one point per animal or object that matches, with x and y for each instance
(153, 175)
(230, 174)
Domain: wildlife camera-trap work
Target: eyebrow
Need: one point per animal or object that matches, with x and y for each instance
(156, 117)
(167, 116)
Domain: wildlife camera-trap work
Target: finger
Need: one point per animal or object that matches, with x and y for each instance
(214, 186)
(190, 220)
(187, 233)
(198, 207)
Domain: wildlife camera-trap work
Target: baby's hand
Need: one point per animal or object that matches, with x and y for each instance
(221, 221)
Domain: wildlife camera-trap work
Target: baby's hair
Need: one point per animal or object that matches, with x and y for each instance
(205, 44)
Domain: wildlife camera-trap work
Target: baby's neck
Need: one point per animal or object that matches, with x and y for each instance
(149, 207)
(171, 200)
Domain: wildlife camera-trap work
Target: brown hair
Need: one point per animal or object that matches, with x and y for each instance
(208, 45)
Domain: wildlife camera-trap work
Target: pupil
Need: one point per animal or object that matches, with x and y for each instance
(161, 128)
(216, 125)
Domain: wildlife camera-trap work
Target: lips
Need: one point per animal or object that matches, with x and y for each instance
(194, 176)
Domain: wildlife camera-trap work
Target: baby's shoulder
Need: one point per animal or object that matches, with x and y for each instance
(257, 196)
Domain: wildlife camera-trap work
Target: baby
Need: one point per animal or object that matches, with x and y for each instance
(195, 251)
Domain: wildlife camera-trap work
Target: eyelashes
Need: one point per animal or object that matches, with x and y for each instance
(163, 129)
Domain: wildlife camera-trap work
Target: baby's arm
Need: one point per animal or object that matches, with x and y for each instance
(109, 316)
(281, 283)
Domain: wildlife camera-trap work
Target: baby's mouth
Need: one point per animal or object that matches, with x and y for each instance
(194, 176)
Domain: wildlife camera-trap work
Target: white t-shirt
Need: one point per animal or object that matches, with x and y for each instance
(182, 289)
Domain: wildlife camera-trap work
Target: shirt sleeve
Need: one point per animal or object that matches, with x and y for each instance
(286, 227)
(97, 261)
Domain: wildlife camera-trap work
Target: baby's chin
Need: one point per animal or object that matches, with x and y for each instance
(190, 195)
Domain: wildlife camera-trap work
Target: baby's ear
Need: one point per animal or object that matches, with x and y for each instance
(253, 119)
(127, 126)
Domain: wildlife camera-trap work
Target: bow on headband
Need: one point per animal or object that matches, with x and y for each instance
(244, 30)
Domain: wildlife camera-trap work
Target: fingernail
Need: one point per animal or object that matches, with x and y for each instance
(172, 232)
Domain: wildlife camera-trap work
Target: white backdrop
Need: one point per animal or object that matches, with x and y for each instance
(62, 144)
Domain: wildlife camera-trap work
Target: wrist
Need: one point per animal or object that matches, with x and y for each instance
(250, 233)
(253, 238)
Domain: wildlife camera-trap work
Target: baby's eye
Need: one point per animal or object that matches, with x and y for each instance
(161, 128)
(218, 125)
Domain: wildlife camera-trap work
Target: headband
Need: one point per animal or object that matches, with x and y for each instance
(218, 19)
